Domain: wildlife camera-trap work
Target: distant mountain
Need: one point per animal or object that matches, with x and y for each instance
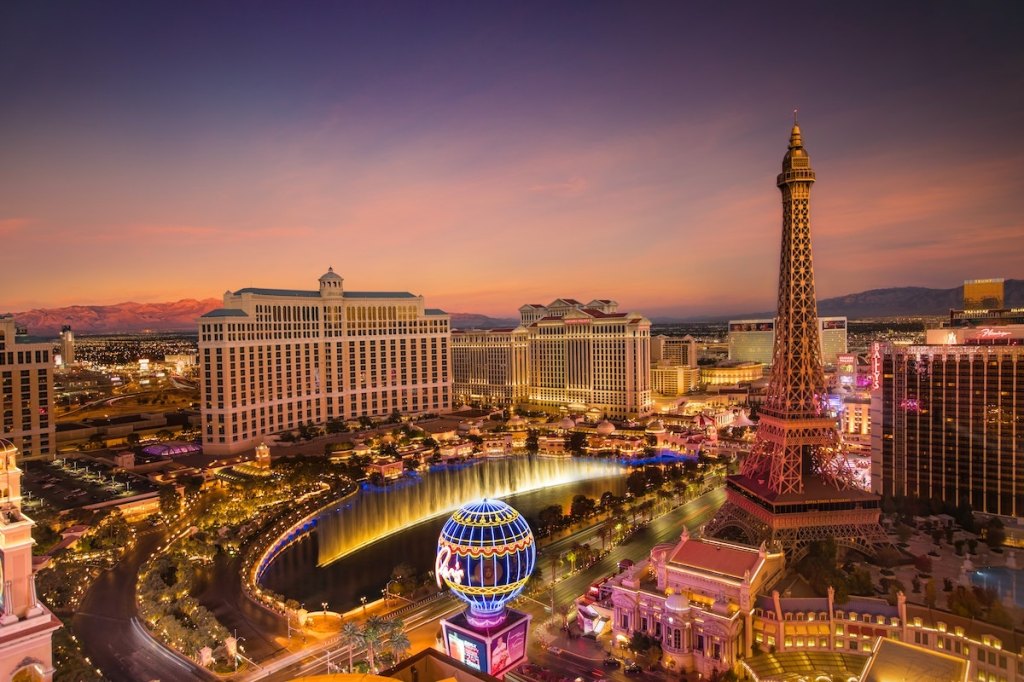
(474, 321)
(891, 302)
(182, 315)
(900, 301)
(121, 317)
(167, 317)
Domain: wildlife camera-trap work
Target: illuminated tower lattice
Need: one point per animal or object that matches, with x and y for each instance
(796, 486)
(485, 555)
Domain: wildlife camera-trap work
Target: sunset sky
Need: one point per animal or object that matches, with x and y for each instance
(491, 154)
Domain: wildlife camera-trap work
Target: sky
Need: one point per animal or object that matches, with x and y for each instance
(487, 155)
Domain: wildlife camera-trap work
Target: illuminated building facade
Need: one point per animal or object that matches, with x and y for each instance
(274, 359)
(983, 294)
(596, 358)
(578, 356)
(67, 345)
(674, 380)
(754, 340)
(751, 340)
(26, 625)
(731, 373)
(26, 392)
(680, 351)
(946, 418)
(855, 419)
(697, 598)
(490, 366)
(712, 604)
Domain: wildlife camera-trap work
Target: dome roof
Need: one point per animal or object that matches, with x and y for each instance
(677, 603)
(330, 276)
(742, 419)
(567, 423)
(656, 426)
(605, 428)
(7, 447)
(516, 422)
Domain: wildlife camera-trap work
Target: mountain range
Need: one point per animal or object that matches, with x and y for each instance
(182, 315)
(890, 302)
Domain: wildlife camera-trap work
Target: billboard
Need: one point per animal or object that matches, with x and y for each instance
(846, 369)
(467, 649)
(833, 324)
(509, 648)
(759, 326)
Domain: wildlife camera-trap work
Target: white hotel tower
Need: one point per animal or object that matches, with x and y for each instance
(274, 359)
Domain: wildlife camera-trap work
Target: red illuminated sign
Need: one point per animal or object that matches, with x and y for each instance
(876, 366)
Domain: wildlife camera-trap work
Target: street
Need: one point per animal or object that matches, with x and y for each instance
(111, 634)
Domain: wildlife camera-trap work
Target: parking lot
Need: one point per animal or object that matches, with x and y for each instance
(70, 483)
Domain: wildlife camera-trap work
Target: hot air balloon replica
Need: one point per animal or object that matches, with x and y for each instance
(485, 555)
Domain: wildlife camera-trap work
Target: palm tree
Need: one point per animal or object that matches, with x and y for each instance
(371, 635)
(397, 640)
(350, 631)
(572, 555)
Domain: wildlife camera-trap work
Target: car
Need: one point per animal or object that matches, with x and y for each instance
(633, 669)
(612, 662)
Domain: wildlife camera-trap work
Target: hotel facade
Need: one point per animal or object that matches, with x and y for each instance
(275, 359)
(578, 357)
(754, 340)
(945, 418)
(26, 392)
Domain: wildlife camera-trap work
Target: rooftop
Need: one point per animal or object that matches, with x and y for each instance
(226, 312)
(815, 490)
(724, 558)
(316, 294)
(894, 660)
(796, 666)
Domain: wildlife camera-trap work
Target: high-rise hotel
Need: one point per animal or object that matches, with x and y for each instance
(274, 359)
(946, 418)
(572, 355)
(26, 391)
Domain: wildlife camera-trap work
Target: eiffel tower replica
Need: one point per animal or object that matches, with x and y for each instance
(796, 486)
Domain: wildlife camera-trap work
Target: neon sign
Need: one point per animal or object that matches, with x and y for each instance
(443, 569)
(876, 366)
(987, 333)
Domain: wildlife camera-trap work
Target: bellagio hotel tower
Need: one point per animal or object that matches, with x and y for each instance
(275, 359)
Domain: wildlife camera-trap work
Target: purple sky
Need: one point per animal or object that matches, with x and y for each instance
(487, 155)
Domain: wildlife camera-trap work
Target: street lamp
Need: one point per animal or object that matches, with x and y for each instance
(387, 588)
(323, 605)
(362, 600)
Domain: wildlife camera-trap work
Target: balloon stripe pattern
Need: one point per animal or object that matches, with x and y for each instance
(485, 555)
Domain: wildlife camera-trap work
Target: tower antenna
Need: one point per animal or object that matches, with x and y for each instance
(795, 111)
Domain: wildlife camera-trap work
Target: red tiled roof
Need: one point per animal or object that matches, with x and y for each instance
(600, 313)
(717, 557)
